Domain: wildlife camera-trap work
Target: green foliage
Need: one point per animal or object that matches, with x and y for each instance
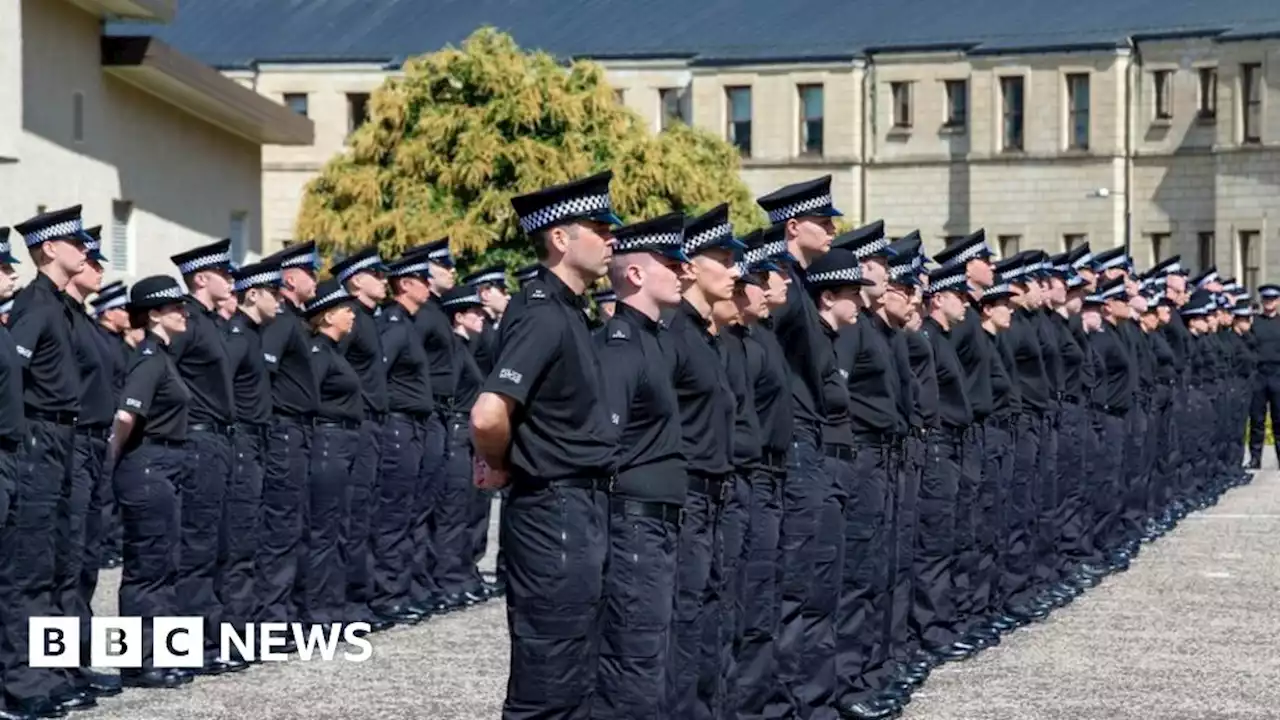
(448, 144)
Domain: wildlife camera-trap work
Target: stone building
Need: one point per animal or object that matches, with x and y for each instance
(1143, 121)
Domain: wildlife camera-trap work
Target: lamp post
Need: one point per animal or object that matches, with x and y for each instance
(1103, 193)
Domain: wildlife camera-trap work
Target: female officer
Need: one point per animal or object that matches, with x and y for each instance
(333, 452)
(145, 450)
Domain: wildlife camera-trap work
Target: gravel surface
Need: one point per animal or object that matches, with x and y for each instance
(1189, 633)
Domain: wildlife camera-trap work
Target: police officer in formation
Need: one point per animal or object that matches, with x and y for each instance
(249, 444)
(792, 473)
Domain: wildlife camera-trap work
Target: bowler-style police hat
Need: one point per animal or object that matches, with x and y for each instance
(495, 275)
(838, 268)
(153, 292)
(960, 252)
(461, 298)
(329, 294)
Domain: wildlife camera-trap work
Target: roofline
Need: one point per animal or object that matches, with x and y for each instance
(909, 48)
(764, 60)
(200, 90)
(1248, 36)
(1048, 48)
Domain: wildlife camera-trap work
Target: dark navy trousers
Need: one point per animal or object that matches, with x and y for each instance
(965, 567)
(147, 483)
(202, 492)
(638, 601)
(860, 626)
(392, 526)
(557, 539)
(357, 535)
(735, 527)
(695, 620)
(1020, 558)
(933, 608)
(455, 505)
(84, 503)
(1045, 496)
(997, 475)
(422, 552)
(907, 463)
(1264, 400)
(755, 665)
(241, 528)
(323, 574)
(286, 463)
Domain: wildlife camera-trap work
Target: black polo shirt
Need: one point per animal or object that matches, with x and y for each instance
(924, 393)
(808, 351)
(1072, 357)
(547, 364)
(249, 375)
(40, 324)
(1004, 392)
(437, 336)
(363, 350)
(201, 356)
(155, 393)
(286, 349)
(470, 377)
(482, 346)
(642, 396)
(975, 357)
(1028, 361)
(408, 370)
(954, 410)
(1115, 392)
(703, 392)
(864, 354)
(340, 396)
(12, 425)
(769, 374)
(96, 368)
(746, 424)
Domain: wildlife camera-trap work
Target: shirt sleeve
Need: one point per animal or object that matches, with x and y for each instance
(140, 386)
(274, 338)
(624, 364)
(530, 343)
(27, 325)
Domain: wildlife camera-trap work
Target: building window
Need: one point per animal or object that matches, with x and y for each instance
(1159, 247)
(77, 116)
(357, 110)
(1208, 93)
(957, 103)
(296, 102)
(1249, 264)
(674, 106)
(1078, 111)
(1205, 251)
(1008, 245)
(811, 116)
(1251, 101)
(1071, 242)
(901, 92)
(739, 126)
(239, 234)
(1011, 108)
(121, 236)
(1162, 80)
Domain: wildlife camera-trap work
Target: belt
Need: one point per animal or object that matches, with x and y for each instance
(162, 442)
(305, 420)
(876, 438)
(773, 459)
(444, 402)
(603, 484)
(408, 417)
(841, 452)
(710, 485)
(248, 428)
(646, 508)
(338, 424)
(57, 418)
(377, 417)
(211, 427)
(96, 432)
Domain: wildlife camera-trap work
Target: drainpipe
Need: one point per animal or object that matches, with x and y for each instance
(868, 127)
(1134, 66)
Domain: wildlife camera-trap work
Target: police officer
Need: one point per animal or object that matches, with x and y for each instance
(29, 566)
(12, 428)
(437, 335)
(1266, 392)
(768, 372)
(410, 407)
(1242, 327)
(257, 295)
(459, 575)
(201, 356)
(112, 322)
(805, 649)
(147, 454)
(361, 274)
(644, 528)
(707, 403)
(1117, 395)
(286, 349)
(335, 443)
(548, 383)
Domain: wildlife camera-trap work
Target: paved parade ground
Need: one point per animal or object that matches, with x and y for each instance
(1189, 633)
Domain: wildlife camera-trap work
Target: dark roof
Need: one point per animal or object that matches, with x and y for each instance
(237, 33)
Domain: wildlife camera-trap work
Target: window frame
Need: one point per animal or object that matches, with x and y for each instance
(1016, 115)
(1207, 84)
(732, 125)
(807, 148)
(1162, 93)
(1251, 128)
(900, 104)
(1075, 112)
(948, 89)
(287, 99)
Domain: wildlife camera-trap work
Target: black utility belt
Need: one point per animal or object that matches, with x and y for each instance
(97, 432)
(1112, 411)
(715, 487)
(839, 452)
(409, 417)
(604, 483)
(57, 417)
(216, 428)
(163, 442)
(338, 424)
(666, 512)
(877, 439)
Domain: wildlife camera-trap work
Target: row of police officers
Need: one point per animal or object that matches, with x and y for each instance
(259, 446)
(791, 473)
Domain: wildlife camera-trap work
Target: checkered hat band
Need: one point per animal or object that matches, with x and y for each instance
(439, 254)
(489, 278)
(1242, 311)
(997, 289)
(835, 276)
(652, 241)
(1075, 281)
(359, 266)
(264, 278)
(1233, 288)
(335, 296)
(969, 253)
(304, 260)
(950, 282)
(66, 228)
(573, 207)
(173, 292)
(1084, 261)
(1269, 293)
(1176, 267)
(897, 272)
(707, 238)
(111, 303)
(464, 300)
(1210, 278)
(768, 251)
(4, 246)
(1116, 291)
(413, 269)
(1115, 262)
(199, 263)
(526, 277)
(871, 248)
(1064, 268)
(800, 208)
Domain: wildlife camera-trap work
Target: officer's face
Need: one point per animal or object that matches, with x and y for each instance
(1028, 294)
(442, 278)
(813, 235)
(953, 306)
(754, 302)
(897, 303)
(471, 321)
(266, 301)
(1057, 292)
(1074, 301)
(1243, 324)
(414, 289)
(89, 279)
(342, 318)
(1138, 303)
(1089, 276)
(1091, 318)
(1164, 314)
(876, 270)
(1149, 320)
(302, 282)
(227, 307)
(116, 318)
(1269, 305)
(8, 278)
(980, 272)
(715, 273)
(218, 283)
(369, 284)
(1001, 314)
(1198, 324)
(173, 318)
(842, 303)
(1118, 307)
(587, 247)
(494, 298)
(68, 255)
(775, 289)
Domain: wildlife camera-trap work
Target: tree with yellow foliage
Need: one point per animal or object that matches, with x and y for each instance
(448, 144)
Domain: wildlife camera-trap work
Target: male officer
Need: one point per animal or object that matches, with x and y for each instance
(706, 400)
(201, 358)
(805, 650)
(257, 303)
(362, 276)
(410, 407)
(640, 580)
(1266, 391)
(1117, 397)
(286, 348)
(436, 332)
(29, 566)
(548, 383)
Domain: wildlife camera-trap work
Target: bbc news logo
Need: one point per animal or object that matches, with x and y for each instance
(178, 642)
